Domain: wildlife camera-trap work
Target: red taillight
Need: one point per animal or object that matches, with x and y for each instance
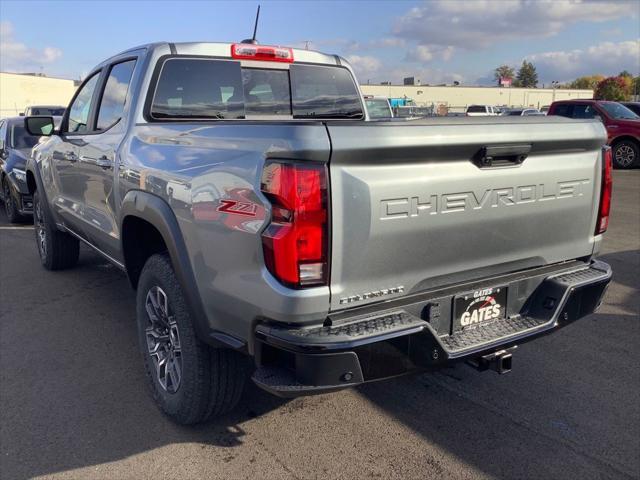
(248, 51)
(605, 191)
(295, 242)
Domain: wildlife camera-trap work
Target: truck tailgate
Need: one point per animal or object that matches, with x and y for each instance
(412, 209)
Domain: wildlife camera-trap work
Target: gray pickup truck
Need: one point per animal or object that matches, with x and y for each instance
(259, 214)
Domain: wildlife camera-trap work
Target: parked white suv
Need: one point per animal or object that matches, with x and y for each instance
(482, 111)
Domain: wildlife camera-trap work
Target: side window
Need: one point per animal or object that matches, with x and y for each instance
(563, 110)
(79, 110)
(583, 111)
(3, 131)
(195, 88)
(115, 94)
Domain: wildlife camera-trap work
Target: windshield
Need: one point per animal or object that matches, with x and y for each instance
(378, 108)
(20, 138)
(197, 88)
(619, 112)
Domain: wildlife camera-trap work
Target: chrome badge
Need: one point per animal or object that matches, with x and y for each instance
(375, 293)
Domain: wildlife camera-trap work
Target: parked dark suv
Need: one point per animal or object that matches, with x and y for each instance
(623, 126)
(633, 106)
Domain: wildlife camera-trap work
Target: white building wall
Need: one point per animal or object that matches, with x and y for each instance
(458, 98)
(19, 91)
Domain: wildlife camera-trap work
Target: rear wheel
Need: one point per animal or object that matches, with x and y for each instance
(189, 380)
(10, 207)
(58, 250)
(626, 154)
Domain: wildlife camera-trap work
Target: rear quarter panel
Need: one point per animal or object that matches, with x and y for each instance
(194, 167)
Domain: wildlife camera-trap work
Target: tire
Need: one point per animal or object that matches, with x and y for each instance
(10, 207)
(189, 380)
(626, 154)
(58, 250)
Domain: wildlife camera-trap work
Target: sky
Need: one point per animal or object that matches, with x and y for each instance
(435, 41)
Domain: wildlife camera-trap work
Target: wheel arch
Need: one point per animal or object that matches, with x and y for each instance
(141, 209)
(626, 137)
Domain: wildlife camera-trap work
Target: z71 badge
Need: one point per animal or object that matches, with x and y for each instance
(239, 208)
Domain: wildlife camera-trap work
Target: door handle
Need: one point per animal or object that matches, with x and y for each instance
(102, 162)
(501, 155)
(69, 157)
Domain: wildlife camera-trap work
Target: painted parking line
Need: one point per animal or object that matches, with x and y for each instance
(17, 228)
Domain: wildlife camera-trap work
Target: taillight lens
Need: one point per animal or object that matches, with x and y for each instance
(605, 191)
(248, 51)
(295, 242)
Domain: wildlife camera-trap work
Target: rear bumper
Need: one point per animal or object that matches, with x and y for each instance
(419, 335)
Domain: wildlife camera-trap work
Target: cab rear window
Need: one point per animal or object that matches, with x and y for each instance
(205, 89)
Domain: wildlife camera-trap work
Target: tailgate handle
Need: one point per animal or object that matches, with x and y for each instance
(502, 155)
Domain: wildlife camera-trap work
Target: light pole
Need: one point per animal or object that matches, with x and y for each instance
(554, 85)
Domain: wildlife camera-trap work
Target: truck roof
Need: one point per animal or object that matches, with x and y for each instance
(223, 49)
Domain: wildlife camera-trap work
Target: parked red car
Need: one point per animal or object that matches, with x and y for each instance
(623, 126)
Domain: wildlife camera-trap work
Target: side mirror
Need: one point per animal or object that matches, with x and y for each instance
(39, 126)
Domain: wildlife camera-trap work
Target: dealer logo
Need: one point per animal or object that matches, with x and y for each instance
(484, 307)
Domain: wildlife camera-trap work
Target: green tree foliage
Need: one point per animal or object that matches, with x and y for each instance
(503, 71)
(589, 82)
(613, 88)
(527, 76)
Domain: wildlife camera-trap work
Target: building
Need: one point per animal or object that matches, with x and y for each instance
(457, 98)
(18, 91)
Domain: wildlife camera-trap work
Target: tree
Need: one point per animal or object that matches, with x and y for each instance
(503, 71)
(527, 76)
(625, 73)
(612, 88)
(589, 82)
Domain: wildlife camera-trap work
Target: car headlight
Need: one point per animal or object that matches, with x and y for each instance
(20, 175)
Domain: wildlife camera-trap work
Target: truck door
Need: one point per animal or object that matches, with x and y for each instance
(70, 184)
(97, 155)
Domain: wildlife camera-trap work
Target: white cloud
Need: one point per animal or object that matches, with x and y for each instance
(15, 55)
(607, 58)
(395, 74)
(426, 53)
(364, 64)
(387, 42)
(421, 53)
(479, 24)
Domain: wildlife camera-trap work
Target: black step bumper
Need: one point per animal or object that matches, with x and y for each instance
(410, 337)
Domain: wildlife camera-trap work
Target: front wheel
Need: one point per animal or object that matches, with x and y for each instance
(58, 250)
(189, 380)
(626, 154)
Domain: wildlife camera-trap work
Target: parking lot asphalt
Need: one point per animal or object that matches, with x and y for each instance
(73, 402)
